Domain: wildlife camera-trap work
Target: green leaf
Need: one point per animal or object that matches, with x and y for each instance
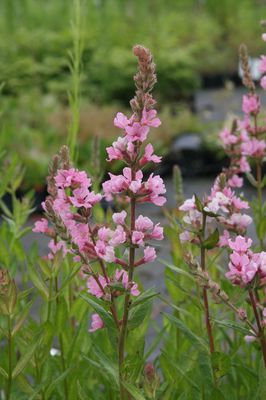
(61, 315)
(25, 359)
(138, 314)
(3, 373)
(221, 363)
(212, 240)
(135, 392)
(262, 381)
(198, 204)
(38, 282)
(108, 367)
(22, 318)
(251, 179)
(205, 368)
(58, 380)
(99, 309)
(233, 325)
(191, 336)
(144, 296)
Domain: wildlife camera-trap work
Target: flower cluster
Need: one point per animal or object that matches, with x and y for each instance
(222, 205)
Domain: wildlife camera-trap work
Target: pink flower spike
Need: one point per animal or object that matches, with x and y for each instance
(94, 288)
(97, 323)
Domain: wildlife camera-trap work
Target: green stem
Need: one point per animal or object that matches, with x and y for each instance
(260, 335)
(9, 380)
(123, 331)
(61, 344)
(205, 293)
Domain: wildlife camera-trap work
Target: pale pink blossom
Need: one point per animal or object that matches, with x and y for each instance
(149, 155)
(235, 181)
(254, 148)
(223, 239)
(119, 218)
(263, 82)
(251, 104)
(149, 254)
(143, 223)
(149, 118)
(41, 226)
(137, 132)
(122, 276)
(121, 121)
(104, 251)
(56, 247)
(94, 288)
(262, 65)
(188, 205)
(97, 323)
(137, 238)
(240, 244)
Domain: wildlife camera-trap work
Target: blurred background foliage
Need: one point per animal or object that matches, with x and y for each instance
(194, 42)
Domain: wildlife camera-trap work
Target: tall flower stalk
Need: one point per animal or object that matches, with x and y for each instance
(69, 209)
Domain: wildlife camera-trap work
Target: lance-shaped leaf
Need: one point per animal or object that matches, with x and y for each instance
(211, 241)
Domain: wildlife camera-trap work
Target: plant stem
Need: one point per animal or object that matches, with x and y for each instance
(9, 380)
(123, 331)
(261, 336)
(61, 343)
(205, 293)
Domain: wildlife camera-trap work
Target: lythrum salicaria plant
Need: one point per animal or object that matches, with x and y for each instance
(219, 220)
(109, 253)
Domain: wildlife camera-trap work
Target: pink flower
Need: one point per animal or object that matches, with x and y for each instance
(188, 205)
(119, 218)
(250, 339)
(263, 82)
(149, 156)
(254, 148)
(137, 238)
(122, 275)
(56, 247)
(263, 37)
(118, 237)
(240, 244)
(136, 132)
(157, 232)
(155, 188)
(41, 226)
(121, 121)
(143, 223)
(227, 137)
(149, 118)
(83, 198)
(122, 149)
(244, 165)
(235, 181)
(262, 66)
(149, 254)
(72, 178)
(251, 104)
(185, 236)
(97, 323)
(223, 240)
(104, 251)
(239, 221)
(94, 288)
